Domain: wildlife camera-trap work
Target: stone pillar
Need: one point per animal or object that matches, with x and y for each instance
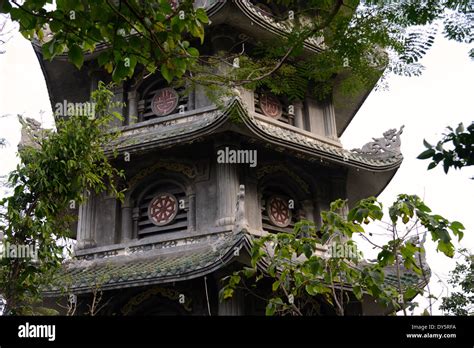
(135, 216)
(191, 97)
(141, 110)
(227, 188)
(299, 114)
(252, 203)
(86, 224)
(329, 121)
(127, 223)
(308, 208)
(192, 212)
(132, 107)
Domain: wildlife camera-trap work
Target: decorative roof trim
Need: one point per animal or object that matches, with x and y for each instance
(314, 147)
(382, 148)
(122, 271)
(145, 138)
(281, 29)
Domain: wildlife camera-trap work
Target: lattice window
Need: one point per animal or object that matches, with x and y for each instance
(273, 106)
(280, 211)
(161, 100)
(163, 209)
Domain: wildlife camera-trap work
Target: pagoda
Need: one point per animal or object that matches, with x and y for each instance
(202, 180)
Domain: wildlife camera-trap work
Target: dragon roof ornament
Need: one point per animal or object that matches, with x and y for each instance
(382, 148)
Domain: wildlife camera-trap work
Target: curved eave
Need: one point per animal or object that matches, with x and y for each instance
(363, 179)
(80, 279)
(366, 176)
(286, 138)
(241, 14)
(317, 149)
(364, 183)
(268, 24)
(63, 80)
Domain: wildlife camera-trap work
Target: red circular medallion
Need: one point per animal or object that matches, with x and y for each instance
(270, 105)
(278, 211)
(164, 101)
(163, 209)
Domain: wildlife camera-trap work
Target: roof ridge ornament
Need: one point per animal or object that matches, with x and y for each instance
(383, 148)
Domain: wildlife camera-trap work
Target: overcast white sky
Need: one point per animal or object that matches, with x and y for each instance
(442, 96)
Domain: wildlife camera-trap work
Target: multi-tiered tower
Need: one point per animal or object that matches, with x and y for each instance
(186, 217)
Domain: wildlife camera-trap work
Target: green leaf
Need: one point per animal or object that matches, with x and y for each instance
(166, 73)
(202, 16)
(5, 6)
(386, 257)
(193, 52)
(76, 55)
(270, 309)
(446, 164)
(427, 145)
(427, 154)
(275, 285)
(120, 71)
(446, 248)
(308, 251)
(311, 289)
(357, 292)
(411, 293)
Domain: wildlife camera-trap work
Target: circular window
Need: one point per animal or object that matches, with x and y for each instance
(163, 209)
(270, 105)
(164, 101)
(278, 211)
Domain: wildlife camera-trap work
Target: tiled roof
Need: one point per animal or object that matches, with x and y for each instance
(185, 129)
(146, 268)
(157, 131)
(269, 22)
(176, 265)
(407, 277)
(314, 144)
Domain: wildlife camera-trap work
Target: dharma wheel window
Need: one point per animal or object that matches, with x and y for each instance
(161, 100)
(163, 209)
(274, 107)
(280, 211)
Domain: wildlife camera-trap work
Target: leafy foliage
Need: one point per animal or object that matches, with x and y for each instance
(50, 178)
(152, 34)
(356, 41)
(460, 155)
(303, 276)
(461, 301)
